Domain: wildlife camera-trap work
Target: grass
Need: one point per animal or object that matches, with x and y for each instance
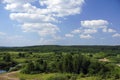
(41, 76)
(45, 76)
(89, 78)
(20, 60)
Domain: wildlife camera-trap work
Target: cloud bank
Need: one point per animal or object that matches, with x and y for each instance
(90, 27)
(41, 19)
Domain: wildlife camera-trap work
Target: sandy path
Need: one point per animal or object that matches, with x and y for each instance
(9, 76)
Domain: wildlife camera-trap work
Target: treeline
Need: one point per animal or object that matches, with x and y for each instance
(72, 63)
(59, 49)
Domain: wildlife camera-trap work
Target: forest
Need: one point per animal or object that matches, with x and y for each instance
(62, 62)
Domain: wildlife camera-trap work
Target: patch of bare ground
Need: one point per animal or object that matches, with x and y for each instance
(104, 60)
(9, 76)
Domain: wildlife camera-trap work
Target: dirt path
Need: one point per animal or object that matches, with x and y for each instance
(9, 76)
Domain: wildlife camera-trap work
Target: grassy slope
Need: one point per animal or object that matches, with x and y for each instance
(44, 76)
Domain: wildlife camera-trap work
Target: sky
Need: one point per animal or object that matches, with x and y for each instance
(59, 22)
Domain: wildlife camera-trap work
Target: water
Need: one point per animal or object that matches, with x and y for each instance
(2, 71)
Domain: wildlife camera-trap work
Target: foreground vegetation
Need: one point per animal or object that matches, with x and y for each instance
(57, 76)
(62, 62)
(48, 76)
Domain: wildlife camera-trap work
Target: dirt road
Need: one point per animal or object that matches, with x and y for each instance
(9, 76)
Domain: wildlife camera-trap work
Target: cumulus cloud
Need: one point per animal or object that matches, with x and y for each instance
(89, 31)
(76, 31)
(116, 35)
(60, 9)
(89, 27)
(43, 29)
(84, 36)
(69, 35)
(94, 23)
(42, 20)
(111, 30)
(104, 29)
(33, 18)
(16, 1)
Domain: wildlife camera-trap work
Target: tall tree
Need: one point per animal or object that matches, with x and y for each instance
(67, 63)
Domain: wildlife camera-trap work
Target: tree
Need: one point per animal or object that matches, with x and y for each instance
(85, 65)
(29, 68)
(77, 61)
(21, 54)
(67, 63)
(7, 58)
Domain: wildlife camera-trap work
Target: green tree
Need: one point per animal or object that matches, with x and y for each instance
(7, 57)
(85, 65)
(67, 63)
(29, 68)
(77, 61)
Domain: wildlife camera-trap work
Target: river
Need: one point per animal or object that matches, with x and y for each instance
(2, 71)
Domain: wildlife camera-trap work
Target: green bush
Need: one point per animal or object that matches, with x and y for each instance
(73, 77)
(63, 77)
(58, 77)
(22, 79)
(16, 68)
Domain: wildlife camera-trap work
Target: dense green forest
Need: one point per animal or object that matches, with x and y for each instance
(57, 48)
(84, 61)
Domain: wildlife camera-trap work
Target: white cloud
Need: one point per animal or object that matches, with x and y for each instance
(94, 23)
(46, 42)
(19, 5)
(2, 33)
(33, 18)
(104, 29)
(84, 36)
(56, 8)
(89, 31)
(108, 30)
(91, 27)
(111, 30)
(17, 1)
(76, 31)
(116, 35)
(41, 19)
(43, 29)
(69, 35)
(60, 9)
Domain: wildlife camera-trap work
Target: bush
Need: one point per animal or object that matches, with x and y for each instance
(63, 77)
(22, 79)
(16, 68)
(73, 77)
(58, 77)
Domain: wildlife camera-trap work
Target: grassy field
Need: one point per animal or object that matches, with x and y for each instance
(43, 76)
(46, 76)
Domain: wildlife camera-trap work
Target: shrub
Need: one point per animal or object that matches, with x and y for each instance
(22, 79)
(63, 77)
(58, 77)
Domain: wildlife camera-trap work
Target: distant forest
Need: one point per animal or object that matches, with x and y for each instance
(59, 49)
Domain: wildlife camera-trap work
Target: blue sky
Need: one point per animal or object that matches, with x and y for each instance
(59, 22)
